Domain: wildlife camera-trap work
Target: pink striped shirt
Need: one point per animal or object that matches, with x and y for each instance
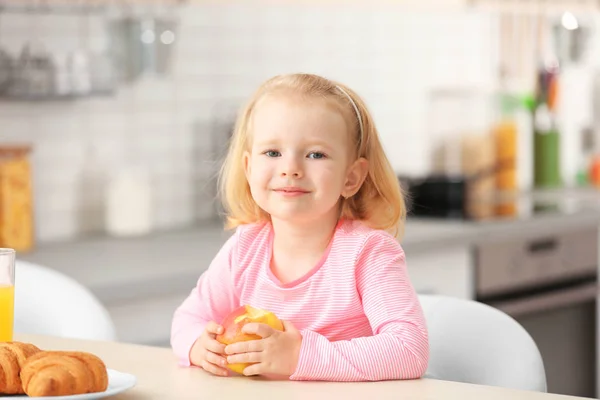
(358, 314)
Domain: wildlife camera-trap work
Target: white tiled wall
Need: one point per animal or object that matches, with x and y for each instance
(389, 54)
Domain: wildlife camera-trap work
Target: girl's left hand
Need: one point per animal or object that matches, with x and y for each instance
(276, 353)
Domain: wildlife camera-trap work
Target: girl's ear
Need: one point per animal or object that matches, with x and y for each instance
(357, 173)
(246, 162)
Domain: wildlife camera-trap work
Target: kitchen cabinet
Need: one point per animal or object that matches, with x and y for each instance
(548, 282)
(445, 271)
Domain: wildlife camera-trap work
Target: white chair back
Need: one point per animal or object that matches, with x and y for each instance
(474, 343)
(50, 303)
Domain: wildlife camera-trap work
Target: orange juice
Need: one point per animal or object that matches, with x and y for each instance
(7, 302)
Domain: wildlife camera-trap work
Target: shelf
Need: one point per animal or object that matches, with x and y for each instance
(56, 98)
(79, 7)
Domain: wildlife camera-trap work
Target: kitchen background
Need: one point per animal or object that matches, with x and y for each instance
(114, 116)
(177, 99)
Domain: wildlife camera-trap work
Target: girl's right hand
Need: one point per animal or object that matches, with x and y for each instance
(207, 352)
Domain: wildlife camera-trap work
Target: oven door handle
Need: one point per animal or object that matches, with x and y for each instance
(545, 301)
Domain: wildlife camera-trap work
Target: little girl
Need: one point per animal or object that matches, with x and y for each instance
(316, 209)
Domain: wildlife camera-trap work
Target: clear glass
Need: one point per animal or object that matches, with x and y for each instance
(459, 120)
(459, 124)
(7, 294)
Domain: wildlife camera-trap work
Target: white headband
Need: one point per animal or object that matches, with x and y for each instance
(355, 109)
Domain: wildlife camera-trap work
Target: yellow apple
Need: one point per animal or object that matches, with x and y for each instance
(235, 321)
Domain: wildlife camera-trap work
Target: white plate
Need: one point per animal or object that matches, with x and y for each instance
(117, 383)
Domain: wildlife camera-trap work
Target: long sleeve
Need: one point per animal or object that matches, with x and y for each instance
(399, 347)
(211, 299)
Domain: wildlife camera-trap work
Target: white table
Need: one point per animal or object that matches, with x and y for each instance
(159, 377)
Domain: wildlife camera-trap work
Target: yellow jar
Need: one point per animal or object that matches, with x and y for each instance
(16, 203)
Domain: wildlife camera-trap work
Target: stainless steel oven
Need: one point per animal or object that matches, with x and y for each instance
(549, 284)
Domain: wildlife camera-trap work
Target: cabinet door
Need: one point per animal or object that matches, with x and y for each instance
(444, 271)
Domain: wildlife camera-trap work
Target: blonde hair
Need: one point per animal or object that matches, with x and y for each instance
(379, 203)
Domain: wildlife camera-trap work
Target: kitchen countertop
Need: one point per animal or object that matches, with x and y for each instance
(159, 377)
(168, 262)
(117, 269)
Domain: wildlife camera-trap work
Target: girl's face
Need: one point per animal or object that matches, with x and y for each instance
(300, 161)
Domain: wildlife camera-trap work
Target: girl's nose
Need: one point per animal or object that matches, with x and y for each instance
(292, 168)
(292, 173)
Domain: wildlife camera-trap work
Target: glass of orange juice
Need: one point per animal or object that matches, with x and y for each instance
(7, 294)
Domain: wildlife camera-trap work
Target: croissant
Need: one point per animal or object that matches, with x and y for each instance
(12, 357)
(63, 373)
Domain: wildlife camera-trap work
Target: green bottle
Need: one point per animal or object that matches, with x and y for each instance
(546, 147)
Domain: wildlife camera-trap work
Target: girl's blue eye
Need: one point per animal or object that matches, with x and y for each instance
(316, 155)
(272, 153)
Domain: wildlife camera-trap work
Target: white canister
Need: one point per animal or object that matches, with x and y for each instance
(128, 203)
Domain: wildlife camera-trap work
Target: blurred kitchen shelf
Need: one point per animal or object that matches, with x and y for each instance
(57, 98)
(80, 7)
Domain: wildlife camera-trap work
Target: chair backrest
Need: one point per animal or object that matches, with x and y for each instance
(50, 303)
(474, 343)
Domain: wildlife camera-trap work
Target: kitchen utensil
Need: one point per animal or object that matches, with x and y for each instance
(34, 73)
(6, 71)
(143, 44)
